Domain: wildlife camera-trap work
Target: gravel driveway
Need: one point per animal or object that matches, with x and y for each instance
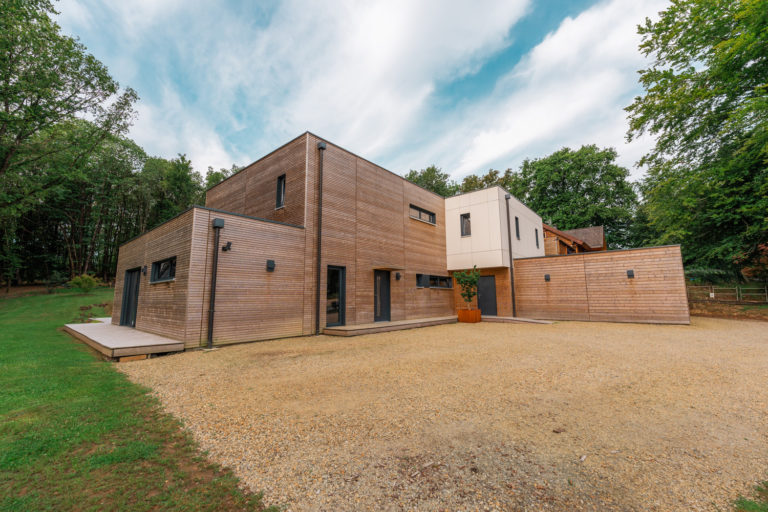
(569, 416)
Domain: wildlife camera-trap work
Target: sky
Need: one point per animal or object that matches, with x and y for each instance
(464, 85)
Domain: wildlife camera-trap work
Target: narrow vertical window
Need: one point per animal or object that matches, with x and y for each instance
(517, 228)
(537, 237)
(280, 197)
(466, 226)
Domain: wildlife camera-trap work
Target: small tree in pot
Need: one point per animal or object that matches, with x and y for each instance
(468, 280)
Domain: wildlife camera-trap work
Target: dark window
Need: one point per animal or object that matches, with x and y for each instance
(163, 270)
(517, 228)
(537, 237)
(466, 226)
(430, 281)
(422, 214)
(280, 197)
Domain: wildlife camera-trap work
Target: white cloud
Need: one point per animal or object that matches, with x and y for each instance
(569, 90)
(364, 75)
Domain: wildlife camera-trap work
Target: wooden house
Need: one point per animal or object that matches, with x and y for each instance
(573, 240)
(313, 237)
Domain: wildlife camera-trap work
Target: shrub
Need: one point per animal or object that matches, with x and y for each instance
(84, 283)
(468, 280)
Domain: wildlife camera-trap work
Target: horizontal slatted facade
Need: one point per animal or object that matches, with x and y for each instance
(252, 191)
(162, 307)
(251, 303)
(595, 286)
(367, 226)
(503, 291)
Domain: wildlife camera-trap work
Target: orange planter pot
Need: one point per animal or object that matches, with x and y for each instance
(469, 315)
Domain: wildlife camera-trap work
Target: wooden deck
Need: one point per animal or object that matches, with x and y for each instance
(121, 342)
(398, 325)
(514, 320)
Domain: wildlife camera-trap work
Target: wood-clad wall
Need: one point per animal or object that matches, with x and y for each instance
(252, 191)
(595, 286)
(251, 303)
(503, 291)
(367, 226)
(162, 307)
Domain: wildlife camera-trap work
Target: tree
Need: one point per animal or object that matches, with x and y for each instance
(572, 189)
(213, 178)
(46, 81)
(433, 178)
(467, 280)
(706, 102)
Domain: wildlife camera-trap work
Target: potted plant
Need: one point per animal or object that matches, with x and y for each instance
(467, 280)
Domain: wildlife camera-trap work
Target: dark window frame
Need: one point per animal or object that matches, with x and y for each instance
(161, 275)
(422, 214)
(280, 192)
(517, 227)
(537, 237)
(434, 281)
(466, 227)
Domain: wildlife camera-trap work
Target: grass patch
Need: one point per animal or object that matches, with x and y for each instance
(759, 504)
(77, 435)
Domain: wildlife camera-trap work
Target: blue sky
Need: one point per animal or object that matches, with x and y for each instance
(466, 85)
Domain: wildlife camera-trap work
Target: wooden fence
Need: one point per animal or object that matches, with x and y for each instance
(737, 294)
(633, 285)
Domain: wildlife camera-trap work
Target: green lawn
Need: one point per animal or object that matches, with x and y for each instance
(759, 504)
(77, 435)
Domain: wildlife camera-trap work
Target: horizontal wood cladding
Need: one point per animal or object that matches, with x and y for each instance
(162, 307)
(595, 286)
(366, 226)
(252, 191)
(503, 291)
(251, 302)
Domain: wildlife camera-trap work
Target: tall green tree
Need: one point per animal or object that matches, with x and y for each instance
(706, 102)
(433, 178)
(572, 189)
(47, 80)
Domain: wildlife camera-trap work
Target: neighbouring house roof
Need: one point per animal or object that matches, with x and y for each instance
(593, 236)
(563, 234)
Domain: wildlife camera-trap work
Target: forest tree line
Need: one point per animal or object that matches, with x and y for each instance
(74, 187)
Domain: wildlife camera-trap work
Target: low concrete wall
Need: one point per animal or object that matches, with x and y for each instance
(595, 286)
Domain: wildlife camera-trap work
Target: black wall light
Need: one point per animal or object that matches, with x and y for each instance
(546, 277)
(270, 265)
(227, 247)
(631, 274)
(397, 276)
(144, 270)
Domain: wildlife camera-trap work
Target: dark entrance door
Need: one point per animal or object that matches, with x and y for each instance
(335, 299)
(486, 295)
(381, 296)
(130, 297)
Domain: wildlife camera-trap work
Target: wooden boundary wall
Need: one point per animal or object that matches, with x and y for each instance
(595, 286)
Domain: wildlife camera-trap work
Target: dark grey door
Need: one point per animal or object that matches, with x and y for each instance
(130, 297)
(335, 298)
(486, 295)
(381, 296)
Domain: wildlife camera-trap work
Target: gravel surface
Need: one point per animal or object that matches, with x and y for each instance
(569, 416)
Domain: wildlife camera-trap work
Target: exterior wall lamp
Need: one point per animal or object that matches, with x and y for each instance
(546, 277)
(270, 265)
(144, 270)
(227, 247)
(631, 274)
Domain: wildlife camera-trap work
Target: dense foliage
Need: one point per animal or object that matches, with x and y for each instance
(706, 103)
(569, 189)
(433, 178)
(72, 186)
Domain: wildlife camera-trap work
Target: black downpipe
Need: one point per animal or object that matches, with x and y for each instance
(217, 225)
(511, 259)
(321, 148)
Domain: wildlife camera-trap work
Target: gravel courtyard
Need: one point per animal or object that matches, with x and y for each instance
(569, 416)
